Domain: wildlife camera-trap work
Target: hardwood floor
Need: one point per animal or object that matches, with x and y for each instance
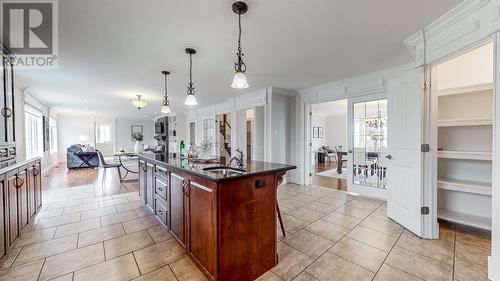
(335, 183)
(61, 177)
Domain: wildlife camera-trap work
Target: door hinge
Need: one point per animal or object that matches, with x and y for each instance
(425, 147)
(310, 113)
(310, 174)
(426, 86)
(424, 210)
(310, 144)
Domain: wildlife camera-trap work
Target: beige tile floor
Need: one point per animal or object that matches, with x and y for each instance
(331, 235)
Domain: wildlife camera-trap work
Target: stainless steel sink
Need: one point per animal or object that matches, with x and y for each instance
(225, 171)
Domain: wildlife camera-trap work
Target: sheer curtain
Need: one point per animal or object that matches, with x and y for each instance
(34, 132)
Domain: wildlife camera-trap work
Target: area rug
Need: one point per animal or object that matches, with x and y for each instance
(333, 174)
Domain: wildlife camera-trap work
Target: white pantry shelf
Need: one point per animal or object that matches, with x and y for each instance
(465, 219)
(465, 122)
(482, 188)
(466, 155)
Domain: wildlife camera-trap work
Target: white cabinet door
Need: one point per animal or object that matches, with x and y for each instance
(404, 175)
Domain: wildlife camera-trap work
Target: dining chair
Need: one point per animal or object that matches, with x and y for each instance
(103, 164)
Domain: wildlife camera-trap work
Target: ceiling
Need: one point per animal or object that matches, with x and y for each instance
(109, 51)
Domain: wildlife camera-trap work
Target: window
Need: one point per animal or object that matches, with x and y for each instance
(53, 135)
(34, 132)
(370, 143)
(103, 134)
(209, 133)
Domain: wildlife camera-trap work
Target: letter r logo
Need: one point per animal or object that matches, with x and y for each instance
(27, 27)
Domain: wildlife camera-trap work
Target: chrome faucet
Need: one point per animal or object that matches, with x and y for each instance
(238, 159)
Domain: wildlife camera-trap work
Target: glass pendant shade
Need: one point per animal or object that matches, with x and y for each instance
(191, 100)
(240, 81)
(139, 103)
(165, 109)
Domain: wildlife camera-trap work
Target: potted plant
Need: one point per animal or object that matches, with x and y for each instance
(138, 138)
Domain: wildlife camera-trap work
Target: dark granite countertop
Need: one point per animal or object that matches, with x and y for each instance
(17, 165)
(252, 168)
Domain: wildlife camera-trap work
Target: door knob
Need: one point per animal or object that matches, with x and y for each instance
(389, 157)
(350, 151)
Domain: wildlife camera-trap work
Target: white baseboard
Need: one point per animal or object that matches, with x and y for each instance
(493, 268)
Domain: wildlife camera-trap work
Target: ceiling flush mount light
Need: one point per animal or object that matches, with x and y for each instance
(139, 102)
(166, 104)
(240, 79)
(190, 99)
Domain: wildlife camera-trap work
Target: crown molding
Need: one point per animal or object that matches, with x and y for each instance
(454, 16)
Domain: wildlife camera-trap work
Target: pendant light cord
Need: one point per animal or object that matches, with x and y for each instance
(166, 94)
(239, 36)
(190, 69)
(240, 66)
(190, 87)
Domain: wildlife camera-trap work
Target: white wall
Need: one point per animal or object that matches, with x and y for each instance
(479, 69)
(70, 128)
(123, 133)
(280, 131)
(318, 120)
(336, 131)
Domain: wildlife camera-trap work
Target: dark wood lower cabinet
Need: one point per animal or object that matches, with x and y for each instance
(227, 228)
(142, 179)
(150, 185)
(201, 225)
(37, 175)
(3, 218)
(20, 199)
(177, 207)
(12, 207)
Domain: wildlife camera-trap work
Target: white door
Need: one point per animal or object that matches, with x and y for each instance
(104, 136)
(405, 158)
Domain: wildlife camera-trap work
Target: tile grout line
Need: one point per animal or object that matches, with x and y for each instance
(136, 264)
(41, 269)
(335, 243)
(390, 251)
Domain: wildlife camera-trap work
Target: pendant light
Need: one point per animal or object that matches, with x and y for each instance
(240, 79)
(139, 102)
(166, 104)
(190, 99)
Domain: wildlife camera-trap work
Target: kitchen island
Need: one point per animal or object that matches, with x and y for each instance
(225, 219)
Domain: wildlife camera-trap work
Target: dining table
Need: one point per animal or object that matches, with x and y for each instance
(121, 159)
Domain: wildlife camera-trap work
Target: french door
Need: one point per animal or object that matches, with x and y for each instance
(367, 148)
(385, 158)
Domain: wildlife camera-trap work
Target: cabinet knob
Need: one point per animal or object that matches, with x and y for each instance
(389, 157)
(160, 189)
(160, 212)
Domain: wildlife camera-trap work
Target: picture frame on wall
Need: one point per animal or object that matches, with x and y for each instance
(320, 132)
(315, 132)
(46, 133)
(136, 129)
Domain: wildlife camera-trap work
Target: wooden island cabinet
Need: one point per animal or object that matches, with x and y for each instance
(20, 200)
(225, 223)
